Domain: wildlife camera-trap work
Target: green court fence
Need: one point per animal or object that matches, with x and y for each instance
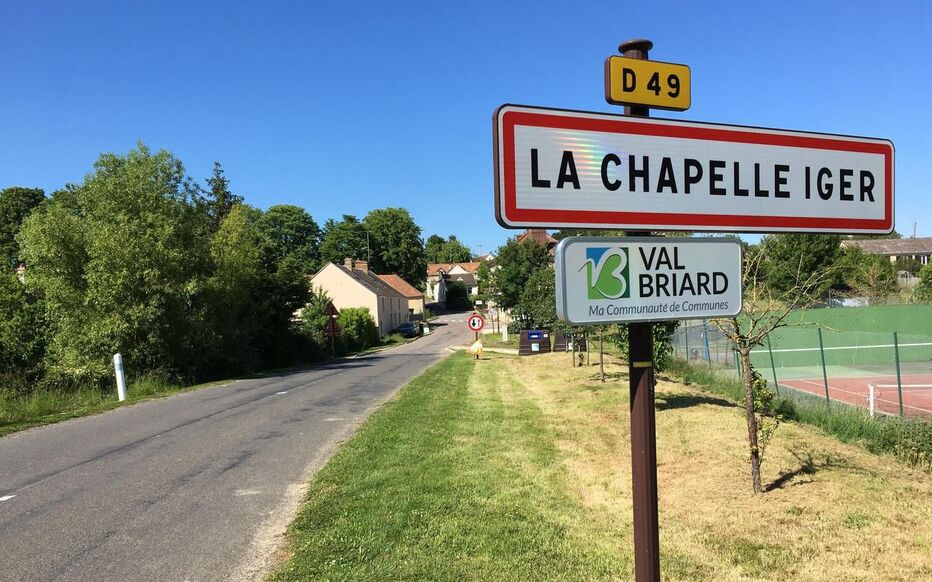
(879, 358)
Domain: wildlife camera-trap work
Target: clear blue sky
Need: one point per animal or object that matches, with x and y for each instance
(341, 107)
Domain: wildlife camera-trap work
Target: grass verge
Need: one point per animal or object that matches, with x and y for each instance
(518, 468)
(50, 406)
(41, 407)
(909, 441)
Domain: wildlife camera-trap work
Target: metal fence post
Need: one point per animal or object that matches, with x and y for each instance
(824, 372)
(899, 381)
(686, 339)
(705, 339)
(773, 367)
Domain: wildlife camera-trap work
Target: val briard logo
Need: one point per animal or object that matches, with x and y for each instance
(607, 272)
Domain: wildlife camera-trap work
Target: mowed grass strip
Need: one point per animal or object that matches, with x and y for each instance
(519, 469)
(459, 478)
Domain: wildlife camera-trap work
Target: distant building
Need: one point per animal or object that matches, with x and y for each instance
(415, 297)
(350, 285)
(440, 275)
(539, 236)
(919, 249)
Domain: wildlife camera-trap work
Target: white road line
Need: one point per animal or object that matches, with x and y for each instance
(282, 392)
(333, 419)
(7, 497)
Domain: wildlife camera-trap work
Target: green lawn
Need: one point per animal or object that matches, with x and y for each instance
(515, 468)
(450, 482)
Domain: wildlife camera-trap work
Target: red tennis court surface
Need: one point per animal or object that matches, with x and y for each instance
(917, 392)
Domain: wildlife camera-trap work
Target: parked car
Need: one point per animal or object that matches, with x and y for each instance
(409, 329)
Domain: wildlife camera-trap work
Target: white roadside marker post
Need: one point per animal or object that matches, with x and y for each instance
(121, 382)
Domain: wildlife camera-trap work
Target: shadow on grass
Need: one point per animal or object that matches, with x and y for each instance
(677, 401)
(609, 376)
(808, 466)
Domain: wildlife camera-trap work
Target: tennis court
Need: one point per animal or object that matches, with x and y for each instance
(916, 390)
(878, 358)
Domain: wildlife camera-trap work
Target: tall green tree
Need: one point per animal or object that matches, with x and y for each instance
(433, 248)
(790, 258)
(219, 198)
(866, 274)
(254, 293)
(515, 264)
(235, 291)
(120, 260)
(396, 246)
(15, 205)
(538, 299)
(291, 232)
(342, 239)
(23, 332)
(451, 250)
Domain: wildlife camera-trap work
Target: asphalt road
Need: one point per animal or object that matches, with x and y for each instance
(182, 488)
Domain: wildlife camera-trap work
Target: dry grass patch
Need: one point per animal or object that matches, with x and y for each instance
(833, 511)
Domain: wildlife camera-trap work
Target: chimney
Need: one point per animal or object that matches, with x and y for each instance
(362, 265)
(348, 263)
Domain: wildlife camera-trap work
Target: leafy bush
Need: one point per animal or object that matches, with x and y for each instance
(314, 321)
(457, 296)
(923, 290)
(663, 345)
(358, 328)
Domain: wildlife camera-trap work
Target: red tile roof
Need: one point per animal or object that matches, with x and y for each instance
(402, 286)
(434, 268)
(537, 235)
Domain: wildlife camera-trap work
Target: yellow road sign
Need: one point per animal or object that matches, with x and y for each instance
(652, 83)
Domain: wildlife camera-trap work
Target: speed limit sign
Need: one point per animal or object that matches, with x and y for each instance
(475, 322)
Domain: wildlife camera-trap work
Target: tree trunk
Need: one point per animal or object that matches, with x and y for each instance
(745, 352)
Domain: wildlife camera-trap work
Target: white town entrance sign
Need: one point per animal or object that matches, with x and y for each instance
(573, 169)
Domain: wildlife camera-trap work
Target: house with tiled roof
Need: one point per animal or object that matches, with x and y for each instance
(440, 275)
(414, 296)
(354, 285)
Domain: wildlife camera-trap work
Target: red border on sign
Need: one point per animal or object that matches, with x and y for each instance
(512, 214)
(482, 319)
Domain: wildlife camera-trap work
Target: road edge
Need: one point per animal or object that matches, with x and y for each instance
(266, 550)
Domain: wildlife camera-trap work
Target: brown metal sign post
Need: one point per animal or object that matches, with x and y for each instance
(643, 423)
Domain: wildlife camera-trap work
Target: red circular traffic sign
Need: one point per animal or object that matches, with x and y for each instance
(475, 322)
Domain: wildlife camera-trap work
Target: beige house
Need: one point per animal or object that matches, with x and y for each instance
(415, 297)
(355, 286)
